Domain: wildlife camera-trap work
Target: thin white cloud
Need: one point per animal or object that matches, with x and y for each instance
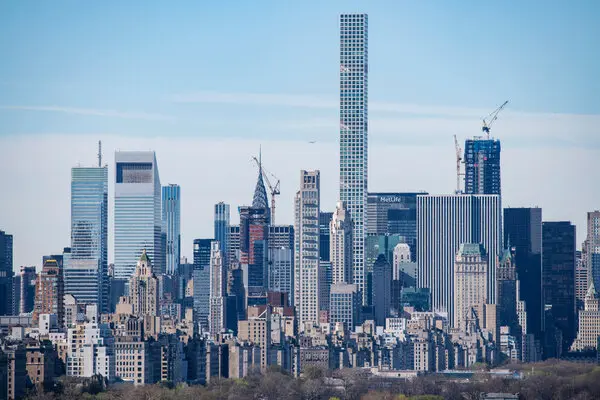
(257, 99)
(316, 101)
(94, 112)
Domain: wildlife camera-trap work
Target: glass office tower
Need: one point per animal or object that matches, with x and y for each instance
(482, 166)
(353, 132)
(86, 272)
(138, 223)
(171, 219)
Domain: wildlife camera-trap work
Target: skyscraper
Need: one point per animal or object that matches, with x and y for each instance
(354, 123)
(470, 284)
(26, 289)
(138, 224)
(144, 288)
(340, 245)
(324, 233)
(306, 228)
(281, 274)
(482, 166)
(86, 272)
(558, 276)
(201, 277)
(592, 247)
(344, 305)
(382, 289)
(218, 290)
(6, 273)
(254, 244)
(523, 229)
(171, 219)
(394, 214)
(443, 224)
(222, 229)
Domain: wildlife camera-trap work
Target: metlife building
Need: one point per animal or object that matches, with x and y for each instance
(393, 214)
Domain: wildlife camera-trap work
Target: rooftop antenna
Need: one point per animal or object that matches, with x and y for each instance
(99, 153)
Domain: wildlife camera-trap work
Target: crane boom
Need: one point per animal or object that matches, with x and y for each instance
(489, 120)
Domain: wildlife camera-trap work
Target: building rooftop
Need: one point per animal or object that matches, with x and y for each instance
(472, 249)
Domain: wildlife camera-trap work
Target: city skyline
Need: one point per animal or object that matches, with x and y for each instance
(411, 118)
(425, 251)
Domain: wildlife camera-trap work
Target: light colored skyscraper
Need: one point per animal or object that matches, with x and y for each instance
(470, 284)
(306, 276)
(445, 222)
(138, 224)
(592, 247)
(218, 289)
(171, 219)
(86, 272)
(354, 132)
(340, 245)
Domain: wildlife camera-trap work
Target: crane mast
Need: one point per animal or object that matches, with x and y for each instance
(458, 162)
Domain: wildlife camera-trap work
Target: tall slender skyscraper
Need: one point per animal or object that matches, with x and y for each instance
(592, 247)
(306, 276)
(523, 229)
(354, 123)
(138, 224)
(171, 219)
(222, 230)
(443, 224)
(6, 273)
(86, 272)
(218, 290)
(482, 166)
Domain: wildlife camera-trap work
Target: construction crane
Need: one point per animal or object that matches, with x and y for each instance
(489, 120)
(275, 191)
(459, 159)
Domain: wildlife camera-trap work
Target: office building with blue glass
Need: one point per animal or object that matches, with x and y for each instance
(138, 220)
(482, 166)
(354, 123)
(222, 222)
(86, 266)
(171, 219)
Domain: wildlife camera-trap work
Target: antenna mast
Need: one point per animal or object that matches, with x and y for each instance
(100, 153)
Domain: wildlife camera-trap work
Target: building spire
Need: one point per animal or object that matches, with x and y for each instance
(260, 192)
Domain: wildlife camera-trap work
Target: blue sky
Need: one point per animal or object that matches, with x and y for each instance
(206, 82)
(136, 57)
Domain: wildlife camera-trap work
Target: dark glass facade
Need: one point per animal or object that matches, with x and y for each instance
(558, 277)
(394, 214)
(6, 273)
(324, 235)
(482, 166)
(523, 229)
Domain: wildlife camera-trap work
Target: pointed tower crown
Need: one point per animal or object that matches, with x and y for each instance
(260, 192)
